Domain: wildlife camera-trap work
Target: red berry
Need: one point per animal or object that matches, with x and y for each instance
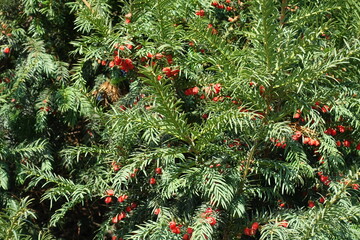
(322, 200)
(152, 181)
(323, 178)
(114, 219)
(262, 89)
(200, 13)
(110, 192)
(128, 209)
(297, 115)
(249, 232)
(341, 128)
(133, 205)
(186, 237)
(159, 56)
(311, 204)
(121, 216)
(157, 211)
(209, 211)
(158, 170)
(306, 140)
(211, 220)
(108, 200)
(172, 224)
(189, 230)
(217, 88)
(6, 50)
(284, 224)
(176, 230)
(122, 198)
(355, 186)
(346, 143)
(358, 147)
(255, 226)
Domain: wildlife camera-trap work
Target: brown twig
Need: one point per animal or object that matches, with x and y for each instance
(88, 5)
(282, 14)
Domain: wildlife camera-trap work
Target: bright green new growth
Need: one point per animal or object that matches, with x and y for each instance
(77, 128)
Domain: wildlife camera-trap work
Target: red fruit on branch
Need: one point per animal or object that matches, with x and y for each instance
(284, 224)
(341, 128)
(159, 56)
(355, 186)
(358, 147)
(110, 192)
(200, 13)
(330, 131)
(152, 181)
(191, 91)
(209, 211)
(108, 200)
(121, 216)
(7, 50)
(323, 178)
(114, 219)
(211, 220)
(311, 204)
(297, 114)
(322, 200)
(122, 198)
(189, 230)
(217, 88)
(255, 226)
(158, 170)
(186, 237)
(157, 211)
(249, 231)
(172, 224)
(176, 230)
(262, 89)
(306, 140)
(346, 143)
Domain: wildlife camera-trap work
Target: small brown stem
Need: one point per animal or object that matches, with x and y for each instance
(88, 5)
(282, 14)
(249, 159)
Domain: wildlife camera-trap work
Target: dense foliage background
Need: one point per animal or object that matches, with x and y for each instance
(179, 119)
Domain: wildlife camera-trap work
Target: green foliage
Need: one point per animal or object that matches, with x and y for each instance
(211, 115)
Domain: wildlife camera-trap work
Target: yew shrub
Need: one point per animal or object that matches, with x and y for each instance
(179, 119)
